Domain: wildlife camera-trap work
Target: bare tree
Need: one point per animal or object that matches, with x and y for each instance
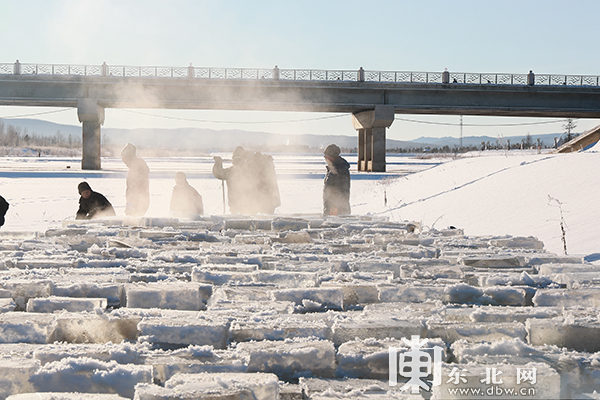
(569, 126)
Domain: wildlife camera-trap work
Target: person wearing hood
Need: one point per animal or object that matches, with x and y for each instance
(137, 193)
(92, 204)
(185, 200)
(336, 187)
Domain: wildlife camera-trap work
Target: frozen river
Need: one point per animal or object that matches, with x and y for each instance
(42, 191)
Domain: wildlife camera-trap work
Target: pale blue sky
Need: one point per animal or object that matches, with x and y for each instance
(548, 37)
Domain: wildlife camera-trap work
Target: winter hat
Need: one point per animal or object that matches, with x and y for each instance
(83, 186)
(332, 151)
(128, 150)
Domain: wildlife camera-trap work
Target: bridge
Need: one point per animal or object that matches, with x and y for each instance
(371, 97)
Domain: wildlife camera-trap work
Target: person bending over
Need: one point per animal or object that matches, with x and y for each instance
(92, 204)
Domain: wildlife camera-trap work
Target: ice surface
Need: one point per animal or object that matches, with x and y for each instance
(231, 294)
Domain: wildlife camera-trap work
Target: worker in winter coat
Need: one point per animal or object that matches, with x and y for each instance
(137, 193)
(336, 187)
(3, 209)
(185, 200)
(92, 204)
(251, 182)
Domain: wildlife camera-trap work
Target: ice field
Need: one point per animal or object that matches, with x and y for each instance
(294, 306)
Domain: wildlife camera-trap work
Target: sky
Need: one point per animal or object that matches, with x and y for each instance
(475, 36)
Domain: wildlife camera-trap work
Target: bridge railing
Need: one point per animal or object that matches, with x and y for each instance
(360, 75)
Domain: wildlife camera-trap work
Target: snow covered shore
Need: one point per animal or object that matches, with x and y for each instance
(294, 306)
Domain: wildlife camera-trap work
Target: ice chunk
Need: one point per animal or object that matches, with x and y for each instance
(287, 278)
(291, 359)
(14, 375)
(589, 297)
(522, 279)
(71, 304)
(289, 225)
(376, 266)
(183, 332)
(345, 388)
(453, 331)
(17, 327)
(7, 305)
(111, 292)
(207, 275)
(410, 293)
(371, 358)
(520, 242)
(96, 328)
(356, 293)
(494, 261)
(329, 297)
(548, 269)
(279, 328)
(573, 333)
(123, 353)
(346, 330)
(253, 292)
(224, 307)
(262, 386)
(86, 375)
(512, 314)
(166, 364)
(28, 288)
(175, 296)
(402, 250)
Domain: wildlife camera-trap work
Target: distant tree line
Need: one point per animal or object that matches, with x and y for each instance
(11, 136)
(499, 144)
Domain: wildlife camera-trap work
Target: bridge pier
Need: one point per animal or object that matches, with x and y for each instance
(91, 115)
(371, 126)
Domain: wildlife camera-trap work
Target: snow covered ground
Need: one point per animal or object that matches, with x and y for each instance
(292, 306)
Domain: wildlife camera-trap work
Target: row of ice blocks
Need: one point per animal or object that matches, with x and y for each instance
(239, 308)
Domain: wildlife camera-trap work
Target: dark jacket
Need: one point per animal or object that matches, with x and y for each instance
(336, 188)
(95, 206)
(3, 209)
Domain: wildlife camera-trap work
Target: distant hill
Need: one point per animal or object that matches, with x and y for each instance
(203, 139)
(226, 140)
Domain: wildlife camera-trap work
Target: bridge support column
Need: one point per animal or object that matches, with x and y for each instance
(371, 126)
(91, 115)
